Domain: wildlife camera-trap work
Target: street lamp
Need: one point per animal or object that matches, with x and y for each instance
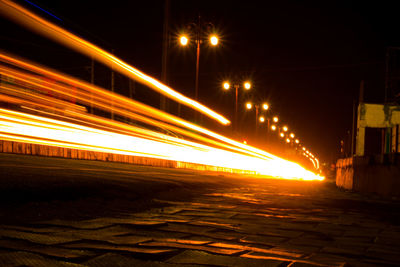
(264, 106)
(246, 85)
(200, 31)
(214, 40)
(183, 40)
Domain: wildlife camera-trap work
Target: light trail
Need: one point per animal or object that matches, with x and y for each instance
(74, 128)
(90, 95)
(62, 123)
(49, 109)
(19, 126)
(41, 26)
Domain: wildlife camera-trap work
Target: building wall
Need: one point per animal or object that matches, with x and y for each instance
(378, 116)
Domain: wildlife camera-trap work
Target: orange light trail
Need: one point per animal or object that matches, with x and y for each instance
(24, 127)
(49, 108)
(64, 124)
(41, 26)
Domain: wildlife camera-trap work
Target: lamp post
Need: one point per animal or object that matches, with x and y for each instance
(264, 106)
(199, 31)
(236, 85)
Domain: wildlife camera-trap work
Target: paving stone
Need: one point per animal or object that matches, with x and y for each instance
(349, 240)
(309, 264)
(298, 225)
(257, 249)
(263, 239)
(96, 234)
(110, 247)
(45, 239)
(214, 224)
(30, 259)
(223, 234)
(347, 252)
(122, 240)
(184, 241)
(37, 229)
(203, 258)
(201, 213)
(310, 241)
(374, 263)
(46, 250)
(253, 218)
(329, 259)
(295, 262)
(329, 229)
(304, 249)
(261, 229)
(391, 256)
(203, 203)
(112, 259)
(77, 224)
(277, 216)
(185, 228)
(193, 247)
(156, 233)
(137, 222)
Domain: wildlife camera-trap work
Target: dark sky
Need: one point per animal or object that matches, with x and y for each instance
(306, 58)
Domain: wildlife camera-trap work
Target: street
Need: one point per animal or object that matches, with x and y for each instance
(58, 212)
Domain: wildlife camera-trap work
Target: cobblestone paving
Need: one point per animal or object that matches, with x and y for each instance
(259, 222)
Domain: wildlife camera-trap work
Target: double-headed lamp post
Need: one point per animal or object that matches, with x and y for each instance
(264, 106)
(246, 85)
(198, 39)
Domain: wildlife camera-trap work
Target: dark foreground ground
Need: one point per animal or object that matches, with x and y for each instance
(58, 212)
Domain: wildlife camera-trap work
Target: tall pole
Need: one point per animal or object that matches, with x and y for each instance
(197, 60)
(164, 59)
(353, 129)
(235, 127)
(112, 90)
(92, 82)
(256, 106)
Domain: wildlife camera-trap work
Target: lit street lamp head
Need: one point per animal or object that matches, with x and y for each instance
(273, 127)
(249, 105)
(247, 85)
(291, 135)
(265, 106)
(183, 40)
(262, 119)
(226, 85)
(275, 119)
(285, 128)
(214, 40)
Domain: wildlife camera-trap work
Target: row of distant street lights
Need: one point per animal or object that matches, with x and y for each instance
(283, 131)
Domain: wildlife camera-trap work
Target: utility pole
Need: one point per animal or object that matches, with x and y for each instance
(112, 89)
(164, 60)
(92, 82)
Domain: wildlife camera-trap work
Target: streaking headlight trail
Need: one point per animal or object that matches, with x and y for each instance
(24, 127)
(37, 24)
(42, 106)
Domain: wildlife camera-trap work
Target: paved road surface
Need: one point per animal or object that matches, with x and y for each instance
(58, 212)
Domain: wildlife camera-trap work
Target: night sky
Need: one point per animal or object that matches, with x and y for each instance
(305, 58)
